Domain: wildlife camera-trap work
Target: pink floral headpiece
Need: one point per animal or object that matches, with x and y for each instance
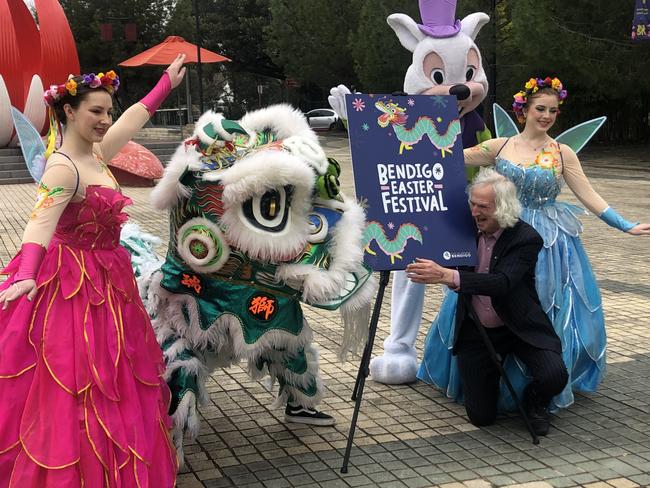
(533, 86)
(109, 81)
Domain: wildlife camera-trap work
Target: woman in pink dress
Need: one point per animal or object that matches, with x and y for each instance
(83, 398)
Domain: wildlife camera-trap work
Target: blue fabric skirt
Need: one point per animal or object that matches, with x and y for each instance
(570, 297)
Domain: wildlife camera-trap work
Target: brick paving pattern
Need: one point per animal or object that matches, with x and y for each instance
(412, 436)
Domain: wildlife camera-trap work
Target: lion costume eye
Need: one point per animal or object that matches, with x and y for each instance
(269, 211)
(318, 228)
(202, 245)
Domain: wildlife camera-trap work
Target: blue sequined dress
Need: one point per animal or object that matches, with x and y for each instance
(567, 290)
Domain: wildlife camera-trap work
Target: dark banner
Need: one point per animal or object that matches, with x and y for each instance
(641, 22)
(407, 157)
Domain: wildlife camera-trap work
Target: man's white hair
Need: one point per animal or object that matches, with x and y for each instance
(508, 206)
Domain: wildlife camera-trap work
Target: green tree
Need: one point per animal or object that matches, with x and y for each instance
(310, 40)
(95, 55)
(239, 30)
(590, 50)
(236, 30)
(321, 43)
(379, 59)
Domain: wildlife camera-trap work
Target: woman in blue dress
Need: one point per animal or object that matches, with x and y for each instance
(539, 166)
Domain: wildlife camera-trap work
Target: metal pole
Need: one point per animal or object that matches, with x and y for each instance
(496, 359)
(188, 96)
(364, 370)
(180, 113)
(199, 70)
(493, 74)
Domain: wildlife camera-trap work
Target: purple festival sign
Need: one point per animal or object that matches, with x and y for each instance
(641, 22)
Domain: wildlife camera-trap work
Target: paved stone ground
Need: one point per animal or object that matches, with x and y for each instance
(412, 436)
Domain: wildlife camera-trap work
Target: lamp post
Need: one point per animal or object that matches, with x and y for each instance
(493, 74)
(199, 69)
(493, 62)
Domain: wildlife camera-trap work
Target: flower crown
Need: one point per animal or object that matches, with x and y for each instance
(109, 81)
(533, 86)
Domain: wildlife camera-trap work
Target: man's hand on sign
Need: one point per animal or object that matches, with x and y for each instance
(429, 272)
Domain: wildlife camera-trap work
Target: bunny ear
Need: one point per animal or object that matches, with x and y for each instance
(577, 137)
(503, 124)
(31, 144)
(406, 29)
(471, 24)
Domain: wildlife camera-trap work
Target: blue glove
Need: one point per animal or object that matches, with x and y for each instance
(612, 218)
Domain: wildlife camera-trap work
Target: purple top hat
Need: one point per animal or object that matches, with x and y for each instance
(438, 18)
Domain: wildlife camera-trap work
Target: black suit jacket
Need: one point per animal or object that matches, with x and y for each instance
(510, 283)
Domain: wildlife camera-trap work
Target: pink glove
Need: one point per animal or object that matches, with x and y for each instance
(31, 256)
(157, 95)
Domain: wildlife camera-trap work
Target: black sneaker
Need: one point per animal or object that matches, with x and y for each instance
(302, 415)
(536, 413)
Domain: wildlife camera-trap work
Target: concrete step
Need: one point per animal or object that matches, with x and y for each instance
(160, 134)
(151, 145)
(163, 150)
(13, 151)
(13, 174)
(11, 159)
(13, 169)
(12, 166)
(16, 181)
(165, 154)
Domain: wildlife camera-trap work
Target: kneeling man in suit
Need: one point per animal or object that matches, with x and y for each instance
(499, 296)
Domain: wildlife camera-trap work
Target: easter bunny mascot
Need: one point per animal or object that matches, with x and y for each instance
(446, 61)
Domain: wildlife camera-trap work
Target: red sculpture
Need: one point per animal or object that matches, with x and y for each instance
(31, 58)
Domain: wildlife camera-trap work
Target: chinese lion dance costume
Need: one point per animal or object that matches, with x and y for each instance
(258, 226)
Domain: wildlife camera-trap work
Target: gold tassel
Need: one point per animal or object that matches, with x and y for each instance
(51, 134)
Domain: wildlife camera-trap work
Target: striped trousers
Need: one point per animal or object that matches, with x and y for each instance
(480, 376)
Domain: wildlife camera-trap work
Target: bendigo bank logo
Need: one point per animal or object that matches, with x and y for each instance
(456, 254)
(262, 306)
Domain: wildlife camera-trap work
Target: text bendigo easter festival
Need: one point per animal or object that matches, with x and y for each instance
(411, 187)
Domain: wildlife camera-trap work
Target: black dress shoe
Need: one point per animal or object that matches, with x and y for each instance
(536, 413)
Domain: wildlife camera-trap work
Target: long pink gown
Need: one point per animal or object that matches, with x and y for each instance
(82, 399)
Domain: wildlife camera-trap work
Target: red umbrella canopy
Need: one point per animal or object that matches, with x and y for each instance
(165, 52)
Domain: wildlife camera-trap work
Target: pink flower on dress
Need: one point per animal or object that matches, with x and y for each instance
(108, 205)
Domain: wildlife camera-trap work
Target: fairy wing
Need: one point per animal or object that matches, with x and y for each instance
(578, 136)
(504, 126)
(31, 144)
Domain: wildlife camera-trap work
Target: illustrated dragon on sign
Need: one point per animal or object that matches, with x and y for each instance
(391, 247)
(395, 116)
